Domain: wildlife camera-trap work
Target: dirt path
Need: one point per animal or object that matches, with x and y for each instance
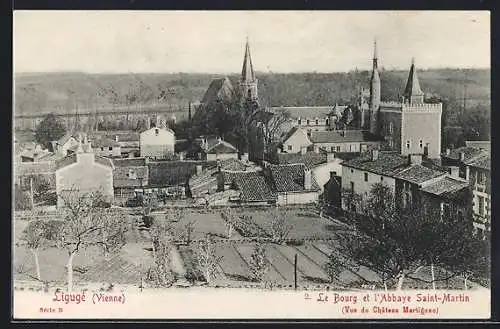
(177, 263)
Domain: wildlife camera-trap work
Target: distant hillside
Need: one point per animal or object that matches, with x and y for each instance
(62, 92)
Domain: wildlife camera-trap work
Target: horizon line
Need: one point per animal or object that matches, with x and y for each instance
(257, 71)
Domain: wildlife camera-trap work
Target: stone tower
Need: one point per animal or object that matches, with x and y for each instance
(413, 94)
(374, 92)
(248, 82)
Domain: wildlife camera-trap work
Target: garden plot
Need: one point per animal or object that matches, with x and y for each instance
(272, 275)
(305, 224)
(308, 269)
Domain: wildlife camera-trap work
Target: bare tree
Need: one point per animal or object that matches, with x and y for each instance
(208, 261)
(161, 273)
(87, 224)
(229, 218)
(259, 262)
(34, 239)
(188, 230)
(272, 123)
(280, 228)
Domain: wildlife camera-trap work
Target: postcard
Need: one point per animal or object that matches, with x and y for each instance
(221, 165)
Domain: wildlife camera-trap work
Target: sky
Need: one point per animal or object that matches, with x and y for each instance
(213, 42)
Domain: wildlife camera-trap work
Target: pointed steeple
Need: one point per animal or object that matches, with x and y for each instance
(375, 90)
(248, 81)
(247, 73)
(413, 93)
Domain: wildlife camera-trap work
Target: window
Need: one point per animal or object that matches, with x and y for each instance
(308, 122)
(102, 148)
(327, 122)
(445, 210)
(317, 122)
(332, 148)
(381, 178)
(407, 144)
(421, 144)
(157, 131)
(316, 129)
(391, 128)
(481, 178)
(352, 170)
(391, 143)
(289, 147)
(366, 177)
(299, 122)
(110, 148)
(481, 205)
(352, 186)
(338, 148)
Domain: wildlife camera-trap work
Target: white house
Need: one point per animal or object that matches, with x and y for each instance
(157, 143)
(84, 172)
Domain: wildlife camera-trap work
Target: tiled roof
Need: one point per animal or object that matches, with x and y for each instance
(233, 164)
(387, 163)
(218, 88)
(105, 142)
(445, 185)
(310, 112)
(418, 174)
(206, 181)
(63, 140)
(129, 162)
(171, 173)
(26, 168)
(486, 145)
(72, 158)
(394, 165)
(66, 161)
(310, 159)
(483, 162)
(123, 136)
(121, 176)
(104, 161)
(469, 153)
(220, 146)
(254, 187)
(290, 178)
(337, 136)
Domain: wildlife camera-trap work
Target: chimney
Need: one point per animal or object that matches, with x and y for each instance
(199, 169)
(461, 156)
(307, 179)
(303, 150)
(374, 155)
(316, 148)
(117, 139)
(453, 171)
(415, 159)
(330, 157)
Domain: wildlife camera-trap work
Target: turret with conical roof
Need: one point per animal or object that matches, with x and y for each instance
(413, 94)
(374, 92)
(248, 81)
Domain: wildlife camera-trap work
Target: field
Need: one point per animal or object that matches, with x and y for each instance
(312, 239)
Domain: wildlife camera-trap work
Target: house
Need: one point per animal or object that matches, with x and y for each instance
(84, 172)
(412, 179)
(293, 184)
(171, 177)
(214, 149)
(207, 180)
(106, 147)
(323, 164)
(474, 165)
(129, 141)
(253, 188)
(129, 177)
(344, 141)
(157, 143)
(63, 144)
(485, 145)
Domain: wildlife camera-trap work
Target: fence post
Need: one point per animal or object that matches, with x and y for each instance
(295, 272)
